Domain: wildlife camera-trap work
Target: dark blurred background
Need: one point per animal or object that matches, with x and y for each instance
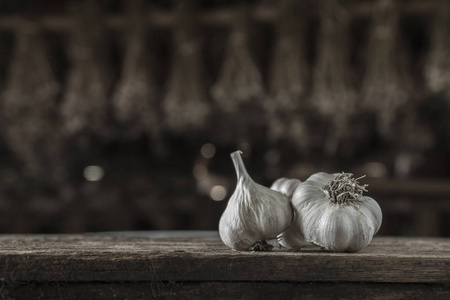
(121, 115)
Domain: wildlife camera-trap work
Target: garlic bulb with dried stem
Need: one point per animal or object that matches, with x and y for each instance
(332, 213)
(185, 104)
(85, 107)
(254, 213)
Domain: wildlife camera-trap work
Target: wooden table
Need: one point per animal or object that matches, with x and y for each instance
(196, 265)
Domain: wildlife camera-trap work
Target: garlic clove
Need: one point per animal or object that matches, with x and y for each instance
(254, 213)
(372, 212)
(292, 237)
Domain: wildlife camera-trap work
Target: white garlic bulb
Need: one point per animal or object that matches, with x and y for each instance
(254, 213)
(331, 212)
(295, 237)
(285, 186)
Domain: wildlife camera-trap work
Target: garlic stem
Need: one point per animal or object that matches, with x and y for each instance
(344, 189)
(241, 171)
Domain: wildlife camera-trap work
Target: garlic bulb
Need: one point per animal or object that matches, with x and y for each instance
(295, 238)
(331, 212)
(254, 213)
(285, 186)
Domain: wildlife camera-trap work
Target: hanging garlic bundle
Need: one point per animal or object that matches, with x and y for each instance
(135, 98)
(289, 73)
(437, 66)
(185, 104)
(333, 92)
(85, 107)
(239, 91)
(289, 76)
(254, 214)
(332, 213)
(29, 103)
(386, 85)
(239, 80)
(413, 137)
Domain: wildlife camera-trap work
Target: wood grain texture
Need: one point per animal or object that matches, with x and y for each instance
(146, 257)
(225, 290)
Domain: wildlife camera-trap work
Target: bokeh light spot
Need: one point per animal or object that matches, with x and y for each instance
(218, 193)
(93, 173)
(208, 150)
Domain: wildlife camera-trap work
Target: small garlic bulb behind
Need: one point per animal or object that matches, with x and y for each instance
(285, 186)
(331, 212)
(254, 213)
(294, 239)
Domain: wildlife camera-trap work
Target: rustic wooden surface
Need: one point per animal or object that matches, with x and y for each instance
(196, 265)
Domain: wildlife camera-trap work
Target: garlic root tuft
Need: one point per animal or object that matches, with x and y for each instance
(261, 246)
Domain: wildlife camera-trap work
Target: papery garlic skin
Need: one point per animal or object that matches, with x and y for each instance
(254, 213)
(285, 186)
(321, 219)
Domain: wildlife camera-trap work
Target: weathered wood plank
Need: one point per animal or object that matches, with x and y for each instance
(224, 290)
(103, 258)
